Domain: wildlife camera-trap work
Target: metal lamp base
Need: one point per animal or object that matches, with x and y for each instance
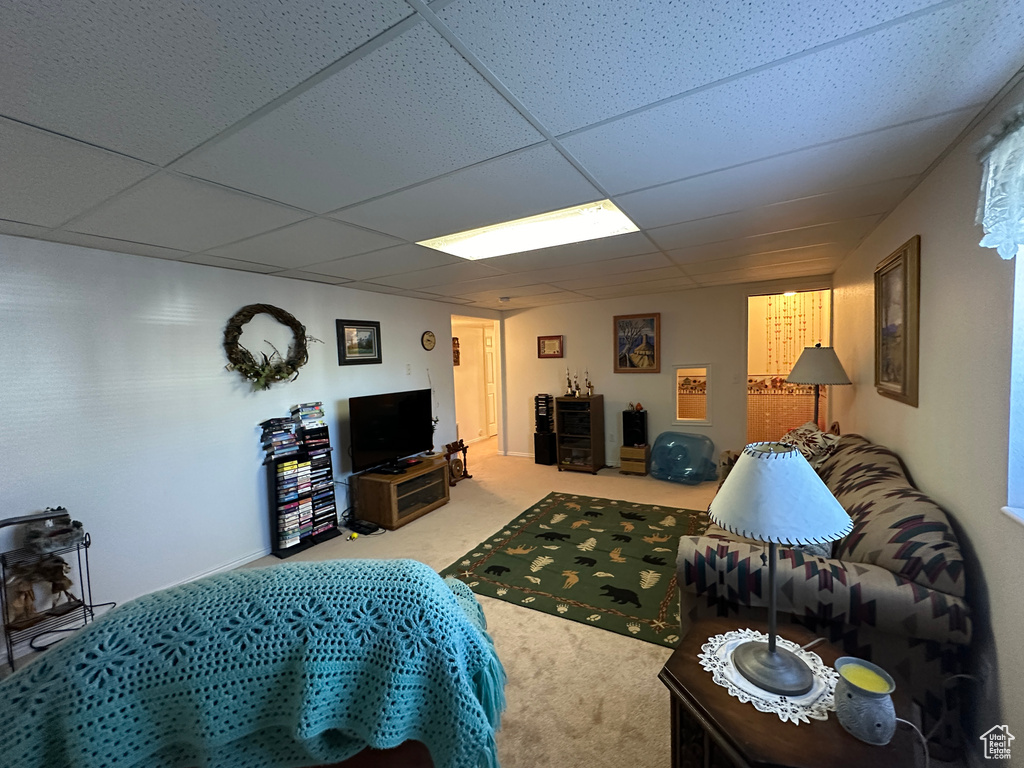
(781, 671)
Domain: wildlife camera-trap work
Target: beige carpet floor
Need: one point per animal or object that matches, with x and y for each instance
(577, 695)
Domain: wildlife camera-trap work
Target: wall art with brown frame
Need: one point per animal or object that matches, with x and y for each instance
(637, 343)
(550, 346)
(897, 316)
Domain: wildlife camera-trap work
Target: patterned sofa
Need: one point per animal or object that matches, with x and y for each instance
(892, 592)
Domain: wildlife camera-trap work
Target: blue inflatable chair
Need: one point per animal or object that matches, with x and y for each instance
(680, 457)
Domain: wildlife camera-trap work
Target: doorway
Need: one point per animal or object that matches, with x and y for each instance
(477, 375)
(779, 326)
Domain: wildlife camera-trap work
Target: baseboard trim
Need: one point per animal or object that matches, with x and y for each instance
(519, 454)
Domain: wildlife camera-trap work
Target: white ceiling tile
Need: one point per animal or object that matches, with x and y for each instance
(903, 150)
(153, 78)
(637, 276)
(524, 183)
(111, 244)
(392, 291)
(438, 276)
(298, 274)
(621, 266)
(389, 261)
(944, 58)
(631, 244)
(494, 283)
(363, 132)
(809, 268)
(309, 242)
(175, 212)
(518, 292)
(768, 258)
(576, 63)
(855, 202)
(220, 261)
(841, 231)
(20, 229)
(639, 289)
(48, 179)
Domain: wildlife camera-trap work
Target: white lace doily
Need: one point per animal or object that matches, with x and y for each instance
(716, 658)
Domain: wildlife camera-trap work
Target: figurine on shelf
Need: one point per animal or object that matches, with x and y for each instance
(589, 384)
(55, 570)
(576, 384)
(568, 383)
(21, 600)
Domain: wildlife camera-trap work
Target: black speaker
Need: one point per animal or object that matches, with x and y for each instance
(544, 450)
(544, 411)
(634, 428)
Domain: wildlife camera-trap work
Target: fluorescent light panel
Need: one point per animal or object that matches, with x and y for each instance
(569, 225)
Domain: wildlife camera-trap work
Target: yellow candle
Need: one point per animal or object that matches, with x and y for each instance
(864, 678)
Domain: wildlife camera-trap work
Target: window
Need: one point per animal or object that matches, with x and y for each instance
(693, 403)
(1001, 213)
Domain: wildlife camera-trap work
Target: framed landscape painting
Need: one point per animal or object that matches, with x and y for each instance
(638, 343)
(897, 303)
(358, 342)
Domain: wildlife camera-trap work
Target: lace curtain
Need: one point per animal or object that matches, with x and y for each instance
(1001, 207)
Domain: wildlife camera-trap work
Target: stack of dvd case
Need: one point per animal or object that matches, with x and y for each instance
(316, 442)
(301, 478)
(279, 437)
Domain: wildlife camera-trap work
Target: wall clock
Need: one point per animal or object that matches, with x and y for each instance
(428, 340)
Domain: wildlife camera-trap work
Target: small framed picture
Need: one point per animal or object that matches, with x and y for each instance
(897, 287)
(358, 342)
(637, 343)
(549, 346)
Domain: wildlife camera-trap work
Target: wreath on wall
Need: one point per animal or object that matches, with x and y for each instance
(273, 368)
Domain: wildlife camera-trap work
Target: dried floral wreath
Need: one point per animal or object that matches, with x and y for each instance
(274, 368)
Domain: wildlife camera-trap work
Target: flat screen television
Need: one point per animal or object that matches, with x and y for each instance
(388, 427)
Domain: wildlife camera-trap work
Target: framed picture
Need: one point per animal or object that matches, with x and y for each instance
(638, 343)
(456, 354)
(549, 346)
(897, 305)
(358, 342)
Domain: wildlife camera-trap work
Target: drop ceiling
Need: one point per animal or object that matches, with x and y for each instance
(319, 140)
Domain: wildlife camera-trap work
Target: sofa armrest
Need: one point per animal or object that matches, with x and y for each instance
(722, 567)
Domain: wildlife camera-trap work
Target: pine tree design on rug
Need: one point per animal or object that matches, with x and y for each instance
(602, 562)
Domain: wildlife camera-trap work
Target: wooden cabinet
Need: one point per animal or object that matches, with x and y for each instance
(635, 460)
(579, 430)
(391, 501)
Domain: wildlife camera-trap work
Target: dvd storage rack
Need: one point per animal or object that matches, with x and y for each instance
(303, 511)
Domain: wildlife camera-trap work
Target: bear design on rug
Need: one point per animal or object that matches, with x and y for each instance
(654, 560)
(497, 570)
(553, 536)
(621, 596)
(632, 516)
(621, 537)
(588, 561)
(592, 513)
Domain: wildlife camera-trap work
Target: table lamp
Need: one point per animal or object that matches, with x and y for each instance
(818, 365)
(773, 495)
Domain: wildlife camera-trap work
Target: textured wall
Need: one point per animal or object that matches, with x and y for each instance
(955, 441)
(116, 404)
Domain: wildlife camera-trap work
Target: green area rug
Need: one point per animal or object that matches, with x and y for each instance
(606, 563)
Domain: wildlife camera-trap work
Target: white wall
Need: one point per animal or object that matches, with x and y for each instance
(705, 326)
(955, 441)
(116, 404)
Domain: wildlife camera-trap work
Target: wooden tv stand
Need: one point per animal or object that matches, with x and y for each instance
(391, 501)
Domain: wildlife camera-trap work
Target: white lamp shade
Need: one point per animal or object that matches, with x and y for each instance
(772, 494)
(818, 365)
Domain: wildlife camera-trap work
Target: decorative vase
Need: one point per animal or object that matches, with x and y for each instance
(863, 701)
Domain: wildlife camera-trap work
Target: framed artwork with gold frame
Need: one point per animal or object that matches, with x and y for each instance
(550, 346)
(897, 318)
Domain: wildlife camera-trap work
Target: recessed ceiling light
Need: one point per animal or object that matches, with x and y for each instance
(568, 225)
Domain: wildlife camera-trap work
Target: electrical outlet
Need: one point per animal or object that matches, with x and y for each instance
(408, 369)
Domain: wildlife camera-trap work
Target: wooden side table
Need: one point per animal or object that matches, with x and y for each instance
(634, 460)
(712, 729)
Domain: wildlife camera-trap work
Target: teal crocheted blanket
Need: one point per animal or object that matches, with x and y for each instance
(293, 665)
